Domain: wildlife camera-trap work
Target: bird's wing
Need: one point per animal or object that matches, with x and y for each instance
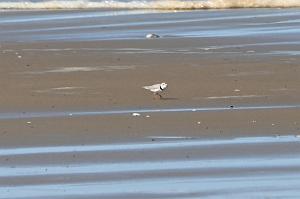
(152, 87)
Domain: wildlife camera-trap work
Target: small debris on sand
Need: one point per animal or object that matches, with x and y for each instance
(236, 90)
(28, 122)
(147, 116)
(135, 114)
(152, 36)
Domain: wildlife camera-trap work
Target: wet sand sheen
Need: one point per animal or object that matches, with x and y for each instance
(29, 115)
(183, 168)
(96, 25)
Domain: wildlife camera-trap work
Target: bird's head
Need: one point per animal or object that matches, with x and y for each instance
(163, 85)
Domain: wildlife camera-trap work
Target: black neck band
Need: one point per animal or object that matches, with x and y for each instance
(161, 88)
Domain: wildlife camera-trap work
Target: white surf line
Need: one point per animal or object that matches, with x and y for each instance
(182, 143)
(72, 16)
(28, 115)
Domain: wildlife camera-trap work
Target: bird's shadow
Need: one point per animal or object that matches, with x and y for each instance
(169, 98)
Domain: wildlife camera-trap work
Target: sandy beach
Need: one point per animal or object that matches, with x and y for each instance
(109, 75)
(74, 78)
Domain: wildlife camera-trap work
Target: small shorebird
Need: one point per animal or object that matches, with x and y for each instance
(156, 88)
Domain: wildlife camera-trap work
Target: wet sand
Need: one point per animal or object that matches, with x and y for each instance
(109, 75)
(231, 74)
(164, 168)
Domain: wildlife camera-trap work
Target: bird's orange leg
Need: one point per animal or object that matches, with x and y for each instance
(157, 96)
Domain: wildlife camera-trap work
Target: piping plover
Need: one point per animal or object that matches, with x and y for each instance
(156, 88)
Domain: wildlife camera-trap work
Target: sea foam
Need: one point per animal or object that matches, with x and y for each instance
(156, 4)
